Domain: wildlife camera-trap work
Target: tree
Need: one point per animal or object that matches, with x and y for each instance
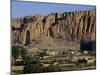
(87, 45)
(92, 45)
(31, 60)
(15, 54)
(23, 52)
(16, 51)
(32, 68)
(32, 65)
(83, 45)
(51, 68)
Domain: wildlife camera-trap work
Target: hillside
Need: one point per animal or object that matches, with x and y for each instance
(57, 30)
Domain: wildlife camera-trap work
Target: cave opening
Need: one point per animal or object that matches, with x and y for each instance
(27, 38)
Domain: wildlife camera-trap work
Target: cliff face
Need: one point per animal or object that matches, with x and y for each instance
(70, 26)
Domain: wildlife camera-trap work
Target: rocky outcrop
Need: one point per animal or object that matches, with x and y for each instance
(69, 26)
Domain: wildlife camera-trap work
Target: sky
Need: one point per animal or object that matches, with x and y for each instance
(21, 8)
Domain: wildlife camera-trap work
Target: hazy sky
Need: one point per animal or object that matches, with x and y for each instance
(20, 9)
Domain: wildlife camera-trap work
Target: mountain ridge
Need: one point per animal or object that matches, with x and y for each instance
(68, 26)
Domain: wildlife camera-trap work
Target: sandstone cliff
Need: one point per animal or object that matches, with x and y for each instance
(68, 26)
